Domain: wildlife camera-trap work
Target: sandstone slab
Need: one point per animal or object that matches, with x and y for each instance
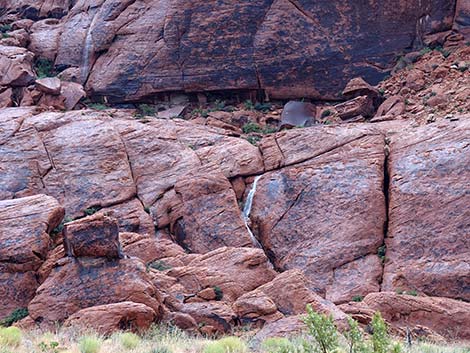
(106, 319)
(428, 243)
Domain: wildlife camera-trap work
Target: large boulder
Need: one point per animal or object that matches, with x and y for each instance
(24, 244)
(429, 218)
(325, 210)
(442, 316)
(94, 236)
(211, 216)
(76, 284)
(15, 66)
(106, 319)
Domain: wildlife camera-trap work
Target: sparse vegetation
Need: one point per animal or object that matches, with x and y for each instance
(357, 298)
(380, 339)
(325, 113)
(10, 337)
(5, 28)
(44, 68)
(219, 294)
(16, 315)
(91, 210)
(159, 265)
(57, 230)
(97, 106)
(381, 252)
(165, 339)
(251, 127)
(129, 340)
(146, 110)
(89, 344)
(253, 140)
(226, 345)
(323, 331)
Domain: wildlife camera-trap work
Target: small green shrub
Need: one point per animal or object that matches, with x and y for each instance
(91, 210)
(5, 28)
(269, 130)
(325, 113)
(147, 110)
(129, 340)
(89, 344)
(251, 127)
(161, 349)
(249, 105)
(44, 68)
(16, 315)
(219, 294)
(226, 345)
(263, 107)
(425, 51)
(381, 252)
(97, 106)
(5, 35)
(159, 265)
(10, 337)
(380, 339)
(322, 329)
(355, 338)
(60, 227)
(253, 140)
(277, 345)
(51, 347)
(357, 298)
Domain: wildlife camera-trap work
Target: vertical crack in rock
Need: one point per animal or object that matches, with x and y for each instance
(386, 185)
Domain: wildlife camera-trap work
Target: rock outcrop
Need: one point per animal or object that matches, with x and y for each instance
(25, 224)
(428, 244)
(131, 50)
(430, 316)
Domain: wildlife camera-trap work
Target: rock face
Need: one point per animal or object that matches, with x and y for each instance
(77, 284)
(211, 217)
(94, 236)
(304, 214)
(106, 319)
(428, 243)
(24, 244)
(288, 48)
(445, 317)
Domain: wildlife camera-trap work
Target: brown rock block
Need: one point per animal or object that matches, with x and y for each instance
(94, 236)
(211, 216)
(106, 319)
(78, 284)
(329, 209)
(429, 220)
(25, 224)
(234, 270)
(15, 66)
(49, 85)
(446, 317)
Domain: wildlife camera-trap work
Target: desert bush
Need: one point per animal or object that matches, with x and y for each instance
(251, 127)
(129, 340)
(355, 338)
(380, 339)
(89, 344)
(226, 345)
(10, 337)
(16, 315)
(278, 345)
(323, 331)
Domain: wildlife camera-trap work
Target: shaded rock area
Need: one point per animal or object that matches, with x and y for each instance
(130, 50)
